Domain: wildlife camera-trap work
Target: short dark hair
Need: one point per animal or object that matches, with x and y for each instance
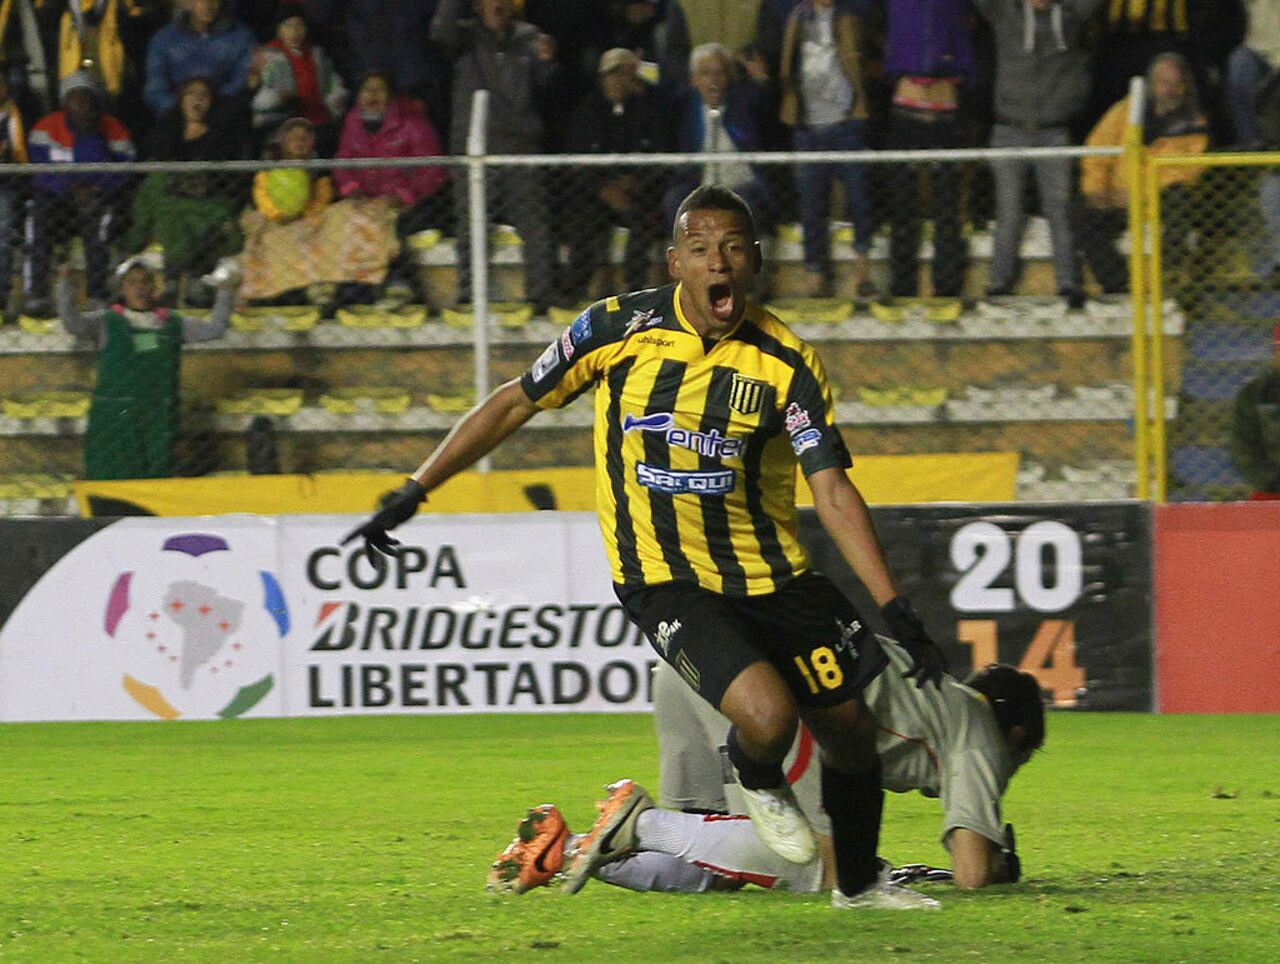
(387, 79)
(1015, 700)
(713, 197)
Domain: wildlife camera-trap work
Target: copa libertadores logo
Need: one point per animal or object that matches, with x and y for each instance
(199, 628)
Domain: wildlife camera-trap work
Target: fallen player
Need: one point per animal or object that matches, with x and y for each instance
(664, 850)
(959, 743)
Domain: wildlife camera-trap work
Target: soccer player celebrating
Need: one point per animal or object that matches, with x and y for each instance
(704, 404)
(958, 743)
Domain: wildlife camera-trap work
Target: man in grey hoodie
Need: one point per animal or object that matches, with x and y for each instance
(1042, 82)
(514, 61)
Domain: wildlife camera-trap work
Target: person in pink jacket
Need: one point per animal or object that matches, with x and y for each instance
(380, 124)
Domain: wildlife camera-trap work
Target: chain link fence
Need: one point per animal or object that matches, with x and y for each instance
(349, 342)
(1218, 227)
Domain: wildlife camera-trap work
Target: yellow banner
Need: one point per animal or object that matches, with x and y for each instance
(958, 477)
(881, 478)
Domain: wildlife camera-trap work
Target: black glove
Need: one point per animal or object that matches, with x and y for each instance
(1012, 864)
(398, 506)
(918, 874)
(928, 662)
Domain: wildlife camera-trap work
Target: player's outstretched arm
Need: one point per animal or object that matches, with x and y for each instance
(475, 435)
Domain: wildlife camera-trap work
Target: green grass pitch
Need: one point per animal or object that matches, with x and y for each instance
(1144, 838)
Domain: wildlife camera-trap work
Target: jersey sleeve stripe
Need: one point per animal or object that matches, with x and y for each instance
(771, 346)
(657, 451)
(628, 558)
(715, 516)
(803, 378)
(808, 387)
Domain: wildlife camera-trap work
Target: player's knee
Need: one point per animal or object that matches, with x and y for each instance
(768, 728)
(763, 711)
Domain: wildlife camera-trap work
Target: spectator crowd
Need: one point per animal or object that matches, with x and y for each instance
(210, 80)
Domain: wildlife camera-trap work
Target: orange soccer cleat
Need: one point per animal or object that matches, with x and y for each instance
(534, 856)
(612, 837)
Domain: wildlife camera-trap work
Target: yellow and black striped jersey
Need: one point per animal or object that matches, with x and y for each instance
(696, 442)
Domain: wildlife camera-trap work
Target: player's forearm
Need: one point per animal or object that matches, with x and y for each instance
(977, 862)
(844, 515)
(476, 434)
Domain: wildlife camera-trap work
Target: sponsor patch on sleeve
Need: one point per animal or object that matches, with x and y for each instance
(802, 442)
(546, 362)
(799, 425)
(796, 418)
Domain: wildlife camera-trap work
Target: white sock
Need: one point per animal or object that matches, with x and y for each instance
(724, 845)
(653, 871)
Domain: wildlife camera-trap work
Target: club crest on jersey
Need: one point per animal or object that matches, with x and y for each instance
(642, 319)
(746, 395)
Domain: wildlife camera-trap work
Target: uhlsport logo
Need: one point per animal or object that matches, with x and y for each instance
(200, 629)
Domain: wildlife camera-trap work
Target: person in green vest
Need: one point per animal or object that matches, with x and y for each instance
(133, 418)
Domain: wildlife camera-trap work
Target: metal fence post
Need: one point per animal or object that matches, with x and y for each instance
(479, 228)
(1135, 169)
(1155, 343)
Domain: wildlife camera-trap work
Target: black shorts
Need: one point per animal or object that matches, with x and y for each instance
(807, 630)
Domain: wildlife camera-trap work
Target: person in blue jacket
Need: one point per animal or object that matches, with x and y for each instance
(203, 41)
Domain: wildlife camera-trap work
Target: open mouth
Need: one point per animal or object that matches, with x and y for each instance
(721, 299)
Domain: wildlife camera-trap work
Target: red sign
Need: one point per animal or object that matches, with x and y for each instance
(1217, 603)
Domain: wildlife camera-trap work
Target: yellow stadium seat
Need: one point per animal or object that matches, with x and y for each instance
(813, 310)
(283, 317)
(39, 326)
(378, 316)
(509, 314)
(504, 236)
(262, 401)
(451, 404)
(902, 395)
(425, 239)
(386, 400)
(52, 404)
(937, 310)
(563, 317)
(33, 485)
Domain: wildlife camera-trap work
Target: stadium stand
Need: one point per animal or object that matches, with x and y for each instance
(1013, 371)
